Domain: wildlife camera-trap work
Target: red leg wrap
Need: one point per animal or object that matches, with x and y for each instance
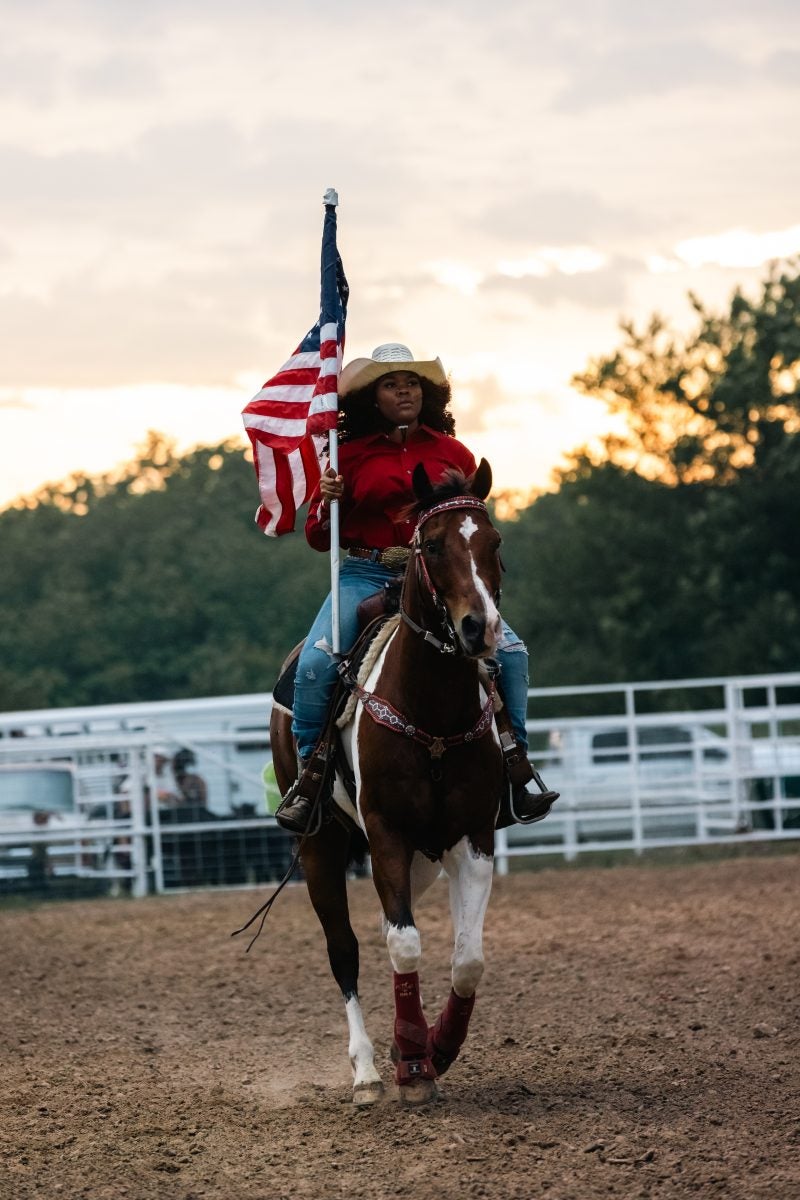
(410, 1028)
(410, 1032)
(447, 1036)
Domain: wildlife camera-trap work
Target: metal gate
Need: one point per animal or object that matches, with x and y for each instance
(90, 794)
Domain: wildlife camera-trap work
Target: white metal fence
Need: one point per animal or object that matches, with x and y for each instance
(85, 794)
(681, 762)
(127, 825)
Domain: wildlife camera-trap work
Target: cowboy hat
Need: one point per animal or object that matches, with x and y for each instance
(392, 356)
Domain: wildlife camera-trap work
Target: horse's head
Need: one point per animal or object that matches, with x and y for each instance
(456, 550)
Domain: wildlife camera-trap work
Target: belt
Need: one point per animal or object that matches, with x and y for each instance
(393, 557)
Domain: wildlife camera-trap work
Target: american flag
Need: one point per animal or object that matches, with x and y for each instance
(289, 420)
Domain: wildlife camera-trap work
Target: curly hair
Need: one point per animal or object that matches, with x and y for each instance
(359, 415)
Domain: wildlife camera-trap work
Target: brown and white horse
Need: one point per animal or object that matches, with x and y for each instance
(428, 778)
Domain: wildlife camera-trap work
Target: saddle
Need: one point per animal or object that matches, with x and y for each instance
(377, 618)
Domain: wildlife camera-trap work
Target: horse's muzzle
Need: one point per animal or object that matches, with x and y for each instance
(478, 639)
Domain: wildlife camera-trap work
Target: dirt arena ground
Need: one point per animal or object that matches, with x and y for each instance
(636, 1035)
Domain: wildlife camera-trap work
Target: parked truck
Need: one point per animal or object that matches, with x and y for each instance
(655, 779)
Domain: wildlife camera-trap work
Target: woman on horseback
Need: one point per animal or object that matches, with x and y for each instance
(393, 415)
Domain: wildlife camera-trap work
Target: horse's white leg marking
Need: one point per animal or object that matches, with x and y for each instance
(360, 1049)
(405, 948)
(470, 874)
(423, 874)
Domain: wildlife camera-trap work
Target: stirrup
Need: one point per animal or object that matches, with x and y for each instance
(546, 797)
(519, 772)
(314, 822)
(311, 776)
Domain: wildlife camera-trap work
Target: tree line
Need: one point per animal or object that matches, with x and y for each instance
(671, 552)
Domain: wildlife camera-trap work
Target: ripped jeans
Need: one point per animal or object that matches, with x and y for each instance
(316, 669)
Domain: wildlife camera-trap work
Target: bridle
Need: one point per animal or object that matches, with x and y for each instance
(450, 644)
(384, 713)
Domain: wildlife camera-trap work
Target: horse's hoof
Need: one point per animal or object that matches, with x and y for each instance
(441, 1062)
(421, 1091)
(442, 1059)
(365, 1094)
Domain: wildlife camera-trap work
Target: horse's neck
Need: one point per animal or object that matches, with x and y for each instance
(420, 658)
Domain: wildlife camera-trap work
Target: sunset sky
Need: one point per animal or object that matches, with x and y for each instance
(514, 178)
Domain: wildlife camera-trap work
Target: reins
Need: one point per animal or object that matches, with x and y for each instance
(314, 825)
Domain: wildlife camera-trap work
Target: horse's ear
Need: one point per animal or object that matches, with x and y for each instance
(421, 484)
(481, 482)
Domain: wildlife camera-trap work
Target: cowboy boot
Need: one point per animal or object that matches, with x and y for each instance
(300, 802)
(530, 800)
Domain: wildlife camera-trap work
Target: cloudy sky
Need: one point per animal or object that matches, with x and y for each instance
(514, 177)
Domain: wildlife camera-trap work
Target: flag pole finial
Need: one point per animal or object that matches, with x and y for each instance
(331, 197)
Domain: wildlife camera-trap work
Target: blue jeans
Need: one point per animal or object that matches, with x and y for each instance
(316, 667)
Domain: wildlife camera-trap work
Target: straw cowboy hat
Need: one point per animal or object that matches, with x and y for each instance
(392, 356)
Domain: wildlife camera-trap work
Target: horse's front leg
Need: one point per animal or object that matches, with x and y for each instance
(324, 859)
(470, 870)
(391, 870)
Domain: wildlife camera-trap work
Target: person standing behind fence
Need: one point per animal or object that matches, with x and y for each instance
(165, 784)
(192, 788)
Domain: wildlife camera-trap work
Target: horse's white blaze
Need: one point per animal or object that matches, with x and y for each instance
(360, 1049)
(493, 625)
(405, 948)
(470, 875)
(490, 608)
(467, 528)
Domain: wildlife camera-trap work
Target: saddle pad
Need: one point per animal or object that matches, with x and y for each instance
(362, 658)
(283, 691)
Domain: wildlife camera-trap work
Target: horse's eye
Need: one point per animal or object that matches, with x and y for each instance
(431, 546)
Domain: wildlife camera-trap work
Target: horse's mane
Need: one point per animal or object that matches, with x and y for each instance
(453, 483)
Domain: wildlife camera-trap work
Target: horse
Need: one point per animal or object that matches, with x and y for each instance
(428, 776)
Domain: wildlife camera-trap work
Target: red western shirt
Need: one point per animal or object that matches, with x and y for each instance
(377, 486)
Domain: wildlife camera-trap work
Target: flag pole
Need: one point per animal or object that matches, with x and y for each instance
(331, 200)
(333, 454)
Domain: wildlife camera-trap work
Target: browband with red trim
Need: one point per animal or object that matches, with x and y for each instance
(447, 506)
